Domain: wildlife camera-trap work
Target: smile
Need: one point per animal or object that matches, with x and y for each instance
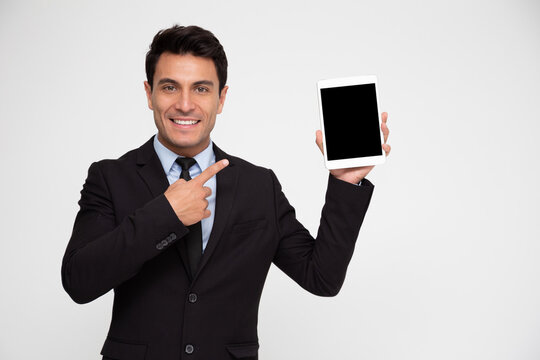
(185, 122)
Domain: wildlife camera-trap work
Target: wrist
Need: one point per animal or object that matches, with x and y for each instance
(351, 179)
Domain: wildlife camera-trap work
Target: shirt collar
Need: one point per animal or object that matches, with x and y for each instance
(167, 157)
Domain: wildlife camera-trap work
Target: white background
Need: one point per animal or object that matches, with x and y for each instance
(446, 265)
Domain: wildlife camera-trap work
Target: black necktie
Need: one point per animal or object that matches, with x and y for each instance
(194, 237)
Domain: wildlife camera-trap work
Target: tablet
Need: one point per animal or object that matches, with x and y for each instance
(350, 122)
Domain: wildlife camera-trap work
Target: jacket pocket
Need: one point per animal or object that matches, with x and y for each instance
(247, 351)
(119, 350)
(249, 226)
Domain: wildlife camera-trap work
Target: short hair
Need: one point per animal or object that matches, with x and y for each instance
(184, 40)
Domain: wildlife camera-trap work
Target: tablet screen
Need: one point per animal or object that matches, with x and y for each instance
(351, 122)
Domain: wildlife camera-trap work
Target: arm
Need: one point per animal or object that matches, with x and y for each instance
(319, 265)
(102, 254)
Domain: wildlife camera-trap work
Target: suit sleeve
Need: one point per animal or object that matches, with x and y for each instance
(102, 254)
(319, 265)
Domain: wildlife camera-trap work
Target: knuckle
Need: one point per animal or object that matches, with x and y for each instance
(202, 193)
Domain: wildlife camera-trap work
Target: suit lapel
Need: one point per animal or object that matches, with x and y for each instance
(226, 188)
(151, 171)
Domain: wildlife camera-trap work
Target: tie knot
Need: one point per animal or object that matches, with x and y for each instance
(185, 163)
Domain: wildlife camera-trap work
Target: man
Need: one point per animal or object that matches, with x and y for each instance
(185, 233)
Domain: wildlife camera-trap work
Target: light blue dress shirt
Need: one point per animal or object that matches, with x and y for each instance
(204, 159)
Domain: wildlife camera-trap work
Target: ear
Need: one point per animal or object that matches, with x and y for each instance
(222, 97)
(148, 91)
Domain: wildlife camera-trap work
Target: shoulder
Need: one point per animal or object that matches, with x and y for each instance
(252, 171)
(252, 178)
(126, 163)
(244, 166)
(255, 185)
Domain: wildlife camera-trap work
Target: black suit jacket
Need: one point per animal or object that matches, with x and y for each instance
(127, 237)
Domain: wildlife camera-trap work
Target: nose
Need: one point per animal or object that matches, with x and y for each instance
(184, 102)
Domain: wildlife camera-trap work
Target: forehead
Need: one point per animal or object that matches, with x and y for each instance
(185, 68)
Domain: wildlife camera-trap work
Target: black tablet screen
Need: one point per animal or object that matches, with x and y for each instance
(351, 123)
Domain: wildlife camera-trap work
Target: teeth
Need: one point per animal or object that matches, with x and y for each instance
(185, 122)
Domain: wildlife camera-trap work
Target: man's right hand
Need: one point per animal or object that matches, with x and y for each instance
(188, 198)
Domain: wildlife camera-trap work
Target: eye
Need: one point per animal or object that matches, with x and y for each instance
(169, 88)
(201, 89)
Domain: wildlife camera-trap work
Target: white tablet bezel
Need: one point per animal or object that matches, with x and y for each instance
(352, 162)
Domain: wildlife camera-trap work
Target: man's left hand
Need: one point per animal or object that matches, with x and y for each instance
(355, 175)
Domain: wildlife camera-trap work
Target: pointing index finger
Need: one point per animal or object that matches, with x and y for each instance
(211, 171)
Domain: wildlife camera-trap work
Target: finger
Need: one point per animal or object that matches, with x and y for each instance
(207, 191)
(384, 127)
(387, 149)
(206, 214)
(318, 140)
(211, 171)
(385, 131)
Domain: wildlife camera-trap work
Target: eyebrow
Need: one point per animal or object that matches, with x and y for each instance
(204, 82)
(174, 82)
(167, 81)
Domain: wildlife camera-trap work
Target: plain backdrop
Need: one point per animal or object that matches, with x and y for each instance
(446, 264)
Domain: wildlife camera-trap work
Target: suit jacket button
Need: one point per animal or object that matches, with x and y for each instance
(159, 246)
(172, 236)
(189, 349)
(192, 298)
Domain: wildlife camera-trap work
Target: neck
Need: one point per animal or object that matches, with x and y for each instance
(191, 151)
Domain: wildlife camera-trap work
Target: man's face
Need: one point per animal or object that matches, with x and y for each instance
(185, 99)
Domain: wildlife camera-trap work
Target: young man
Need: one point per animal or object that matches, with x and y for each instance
(185, 233)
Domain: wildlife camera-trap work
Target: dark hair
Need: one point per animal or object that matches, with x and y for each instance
(183, 40)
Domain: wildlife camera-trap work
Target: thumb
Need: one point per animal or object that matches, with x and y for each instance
(318, 140)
